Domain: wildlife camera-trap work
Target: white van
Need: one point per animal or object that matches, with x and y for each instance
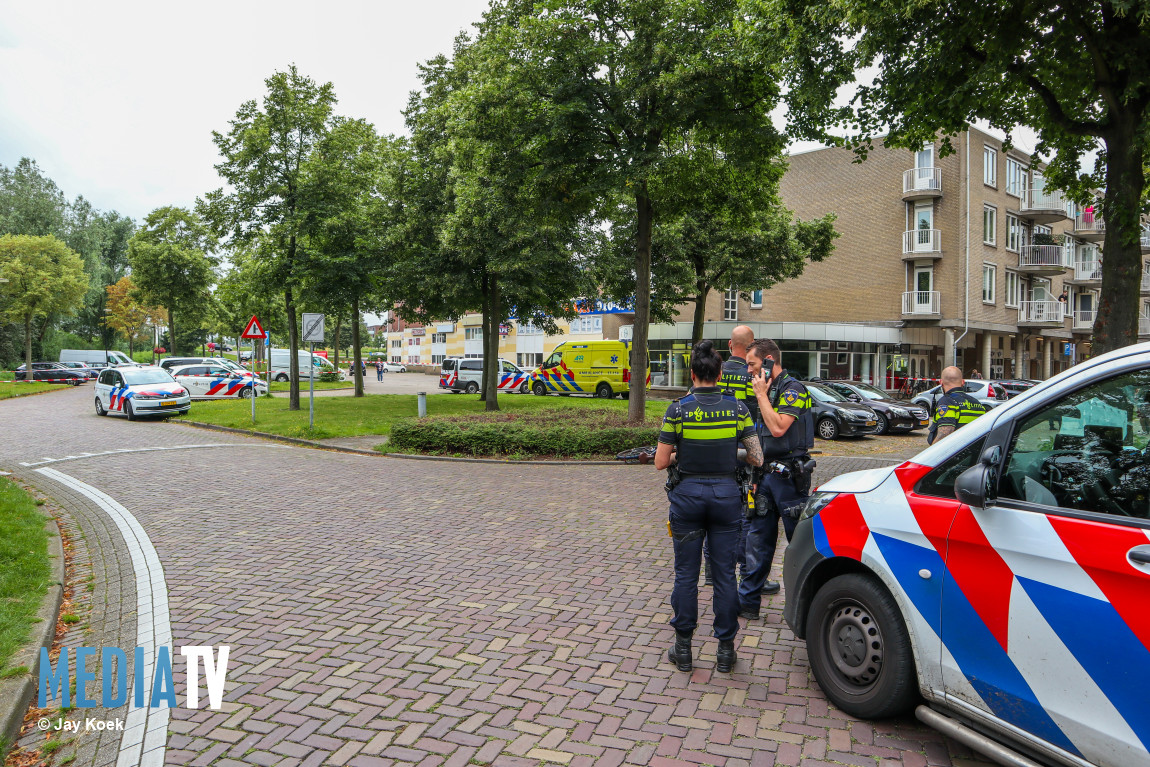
(97, 358)
(459, 374)
(308, 363)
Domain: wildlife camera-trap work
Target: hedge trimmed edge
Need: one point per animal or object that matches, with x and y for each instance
(517, 437)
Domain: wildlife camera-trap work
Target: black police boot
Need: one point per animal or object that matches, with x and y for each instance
(680, 653)
(750, 613)
(707, 574)
(725, 657)
(771, 587)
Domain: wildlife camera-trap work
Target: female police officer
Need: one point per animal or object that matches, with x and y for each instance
(705, 429)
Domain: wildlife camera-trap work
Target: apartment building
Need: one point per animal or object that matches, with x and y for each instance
(968, 258)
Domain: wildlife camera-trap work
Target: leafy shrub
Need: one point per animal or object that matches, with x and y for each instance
(329, 376)
(566, 432)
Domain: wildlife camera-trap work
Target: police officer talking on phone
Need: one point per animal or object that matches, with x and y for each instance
(786, 428)
(701, 434)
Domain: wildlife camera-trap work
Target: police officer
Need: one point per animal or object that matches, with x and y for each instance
(955, 408)
(786, 427)
(701, 433)
(735, 382)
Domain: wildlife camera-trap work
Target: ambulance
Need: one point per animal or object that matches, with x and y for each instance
(601, 368)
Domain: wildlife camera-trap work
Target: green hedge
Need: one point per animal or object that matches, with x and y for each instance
(546, 432)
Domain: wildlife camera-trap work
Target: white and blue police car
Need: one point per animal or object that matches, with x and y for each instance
(140, 391)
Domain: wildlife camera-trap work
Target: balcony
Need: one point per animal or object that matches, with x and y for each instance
(921, 304)
(922, 183)
(1043, 314)
(1145, 287)
(1145, 241)
(1084, 321)
(1041, 259)
(1087, 271)
(1089, 226)
(1143, 326)
(1043, 206)
(921, 243)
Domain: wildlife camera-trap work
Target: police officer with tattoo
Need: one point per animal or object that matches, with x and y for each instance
(699, 443)
(786, 427)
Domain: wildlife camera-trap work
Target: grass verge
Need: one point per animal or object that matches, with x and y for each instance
(319, 386)
(24, 569)
(377, 413)
(9, 390)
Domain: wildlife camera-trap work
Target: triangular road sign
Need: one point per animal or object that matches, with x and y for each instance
(253, 330)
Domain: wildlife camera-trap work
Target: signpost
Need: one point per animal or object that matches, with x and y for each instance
(254, 331)
(313, 334)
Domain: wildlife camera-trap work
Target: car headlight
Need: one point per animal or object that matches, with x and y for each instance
(816, 503)
(899, 412)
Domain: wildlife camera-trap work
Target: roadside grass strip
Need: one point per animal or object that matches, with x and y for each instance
(24, 568)
(21, 389)
(377, 413)
(319, 385)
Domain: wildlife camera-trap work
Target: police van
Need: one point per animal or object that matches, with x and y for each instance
(465, 374)
(602, 368)
(998, 583)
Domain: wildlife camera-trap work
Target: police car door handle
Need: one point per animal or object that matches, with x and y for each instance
(1139, 555)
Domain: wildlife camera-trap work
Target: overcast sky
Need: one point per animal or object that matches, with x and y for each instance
(118, 100)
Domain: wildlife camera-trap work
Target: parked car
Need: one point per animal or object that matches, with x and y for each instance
(139, 391)
(891, 414)
(393, 367)
(171, 363)
(79, 367)
(245, 356)
(458, 374)
(998, 580)
(97, 358)
(987, 392)
(214, 381)
(1015, 386)
(836, 416)
(52, 372)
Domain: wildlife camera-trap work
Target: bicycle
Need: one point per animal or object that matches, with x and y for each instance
(642, 455)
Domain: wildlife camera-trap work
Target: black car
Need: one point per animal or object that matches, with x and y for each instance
(892, 414)
(836, 416)
(90, 373)
(1015, 386)
(52, 372)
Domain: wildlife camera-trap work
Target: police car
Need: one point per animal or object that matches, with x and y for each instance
(217, 382)
(140, 391)
(998, 582)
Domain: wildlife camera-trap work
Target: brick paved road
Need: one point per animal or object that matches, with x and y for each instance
(383, 611)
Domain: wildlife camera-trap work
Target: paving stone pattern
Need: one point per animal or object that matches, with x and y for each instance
(383, 611)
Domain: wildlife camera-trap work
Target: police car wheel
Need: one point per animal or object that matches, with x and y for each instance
(828, 429)
(129, 410)
(523, 388)
(246, 392)
(100, 407)
(538, 389)
(603, 391)
(472, 387)
(859, 648)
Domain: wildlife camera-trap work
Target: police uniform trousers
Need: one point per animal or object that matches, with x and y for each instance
(774, 493)
(711, 507)
(741, 560)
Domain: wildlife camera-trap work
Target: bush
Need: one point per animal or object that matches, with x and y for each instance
(329, 376)
(554, 432)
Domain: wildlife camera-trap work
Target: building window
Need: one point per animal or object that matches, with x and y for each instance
(731, 305)
(1012, 288)
(438, 338)
(527, 329)
(989, 224)
(1013, 233)
(989, 277)
(990, 166)
(397, 343)
(437, 359)
(529, 359)
(1015, 177)
(756, 299)
(473, 334)
(587, 324)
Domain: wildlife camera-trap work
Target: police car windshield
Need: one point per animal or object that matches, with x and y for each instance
(147, 376)
(824, 394)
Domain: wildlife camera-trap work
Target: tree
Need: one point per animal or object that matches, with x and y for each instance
(43, 276)
(128, 316)
(263, 155)
(612, 83)
(1078, 73)
(171, 267)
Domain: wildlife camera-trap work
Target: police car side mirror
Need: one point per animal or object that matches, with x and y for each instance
(977, 487)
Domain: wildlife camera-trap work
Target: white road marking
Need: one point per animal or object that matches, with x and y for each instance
(149, 450)
(145, 729)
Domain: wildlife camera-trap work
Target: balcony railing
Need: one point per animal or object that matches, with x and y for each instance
(1146, 282)
(1084, 319)
(1144, 326)
(921, 302)
(1089, 223)
(1042, 255)
(922, 180)
(1043, 200)
(1041, 311)
(1144, 240)
(1088, 270)
(922, 241)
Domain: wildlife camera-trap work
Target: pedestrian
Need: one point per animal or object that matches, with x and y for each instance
(379, 370)
(698, 444)
(955, 408)
(363, 369)
(975, 375)
(786, 428)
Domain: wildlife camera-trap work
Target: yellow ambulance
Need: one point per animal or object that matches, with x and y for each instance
(601, 368)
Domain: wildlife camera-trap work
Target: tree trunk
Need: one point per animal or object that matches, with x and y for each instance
(1117, 322)
(637, 402)
(355, 340)
(485, 311)
(28, 375)
(293, 356)
(338, 322)
(700, 313)
(171, 332)
(491, 343)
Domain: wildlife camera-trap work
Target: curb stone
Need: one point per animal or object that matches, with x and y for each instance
(408, 456)
(17, 693)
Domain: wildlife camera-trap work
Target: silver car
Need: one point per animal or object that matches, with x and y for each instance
(984, 391)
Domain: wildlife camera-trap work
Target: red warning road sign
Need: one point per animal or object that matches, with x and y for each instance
(253, 330)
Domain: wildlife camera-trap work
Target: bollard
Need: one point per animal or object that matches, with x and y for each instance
(421, 397)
